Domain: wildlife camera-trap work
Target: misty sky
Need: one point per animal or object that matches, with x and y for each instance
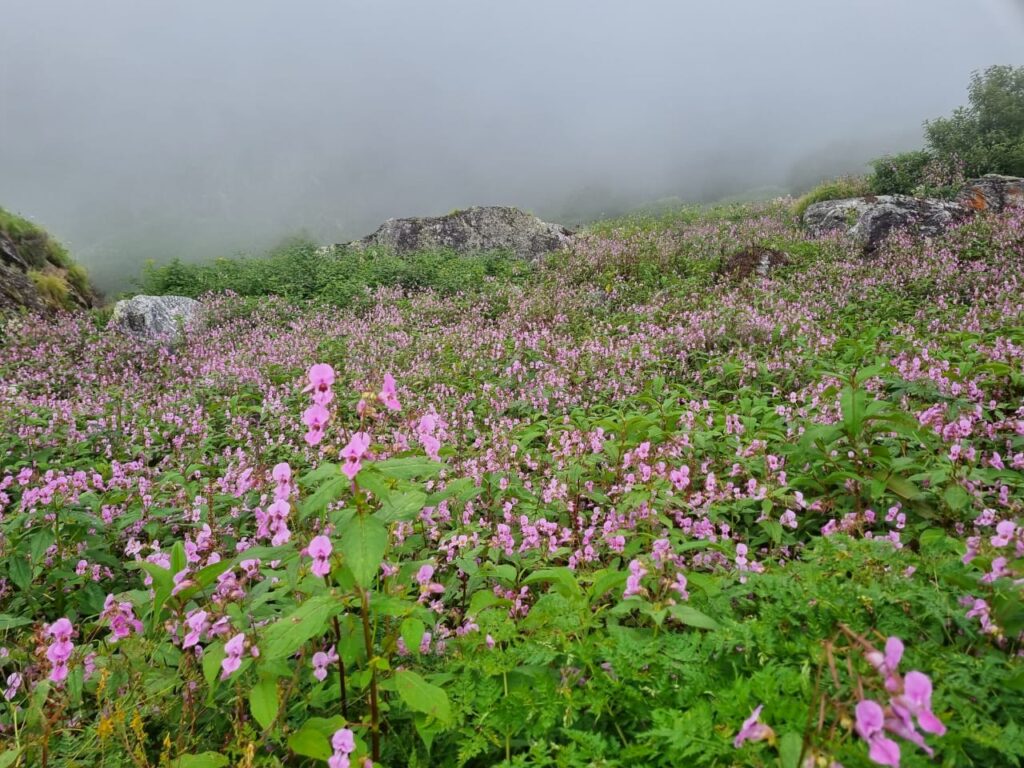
(146, 128)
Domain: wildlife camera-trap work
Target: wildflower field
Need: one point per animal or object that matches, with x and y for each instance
(630, 508)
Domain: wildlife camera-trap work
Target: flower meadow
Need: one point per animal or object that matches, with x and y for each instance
(633, 509)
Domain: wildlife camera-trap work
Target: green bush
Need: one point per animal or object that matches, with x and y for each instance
(300, 270)
(988, 135)
(836, 189)
(899, 174)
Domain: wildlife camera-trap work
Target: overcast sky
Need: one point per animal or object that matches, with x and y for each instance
(150, 128)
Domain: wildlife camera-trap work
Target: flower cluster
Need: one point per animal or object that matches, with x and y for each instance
(59, 651)
(235, 649)
(321, 379)
(909, 708)
(121, 616)
(343, 743)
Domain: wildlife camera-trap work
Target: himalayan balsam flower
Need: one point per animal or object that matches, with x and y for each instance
(320, 550)
(235, 648)
(425, 433)
(753, 729)
(321, 661)
(870, 722)
(387, 394)
(344, 744)
(121, 616)
(354, 453)
(321, 378)
(916, 702)
(315, 418)
(13, 684)
(887, 663)
(636, 573)
(60, 649)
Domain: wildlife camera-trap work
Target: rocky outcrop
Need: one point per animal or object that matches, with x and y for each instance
(17, 291)
(472, 230)
(992, 193)
(868, 221)
(155, 318)
(36, 273)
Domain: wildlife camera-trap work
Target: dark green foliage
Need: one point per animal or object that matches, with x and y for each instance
(988, 135)
(299, 270)
(899, 174)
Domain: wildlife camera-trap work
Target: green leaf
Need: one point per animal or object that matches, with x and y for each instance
(902, 487)
(956, 497)
(328, 492)
(692, 617)
(20, 572)
(263, 702)
(412, 633)
(201, 760)
(212, 657)
(323, 472)
(421, 696)
(178, 560)
(363, 542)
(563, 579)
(286, 635)
(310, 742)
(10, 622)
(409, 467)
(401, 506)
(791, 746)
(8, 757)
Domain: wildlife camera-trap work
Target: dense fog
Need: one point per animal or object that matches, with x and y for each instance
(137, 129)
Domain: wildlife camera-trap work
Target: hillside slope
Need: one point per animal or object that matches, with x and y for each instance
(36, 272)
(661, 501)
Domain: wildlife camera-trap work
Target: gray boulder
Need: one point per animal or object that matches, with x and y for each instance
(154, 318)
(492, 228)
(992, 193)
(868, 221)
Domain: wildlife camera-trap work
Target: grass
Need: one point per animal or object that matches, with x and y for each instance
(836, 189)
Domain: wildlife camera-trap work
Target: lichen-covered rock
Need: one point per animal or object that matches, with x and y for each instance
(992, 193)
(155, 318)
(492, 228)
(868, 221)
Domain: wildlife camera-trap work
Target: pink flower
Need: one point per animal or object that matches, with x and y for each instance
(344, 743)
(344, 740)
(753, 729)
(315, 418)
(121, 616)
(321, 378)
(916, 700)
(13, 684)
(887, 663)
(197, 624)
(425, 432)
(388, 395)
(282, 473)
(354, 453)
(234, 648)
(320, 550)
(636, 573)
(323, 660)
(60, 649)
(870, 723)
